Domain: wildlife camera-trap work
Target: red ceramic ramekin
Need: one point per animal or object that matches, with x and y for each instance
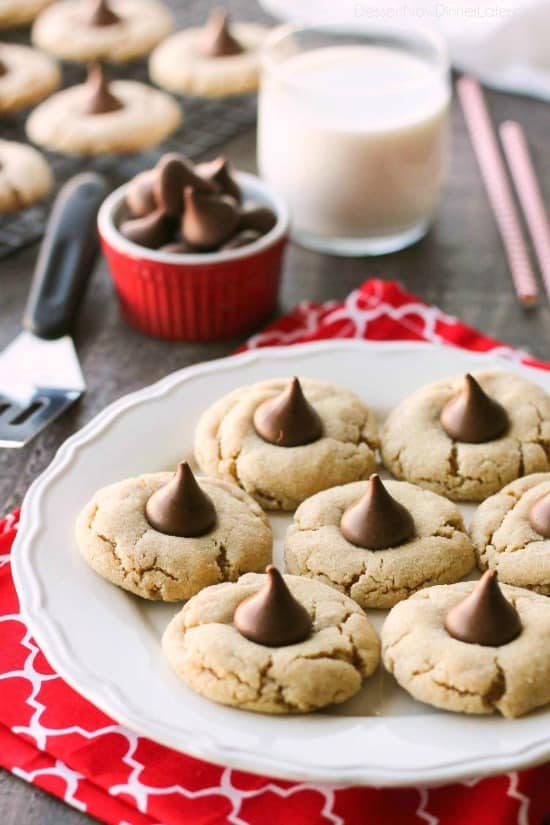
(196, 297)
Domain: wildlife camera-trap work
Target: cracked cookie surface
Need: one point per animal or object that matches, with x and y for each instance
(469, 678)
(504, 539)
(440, 552)
(206, 650)
(416, 448)
(178, 65)
(25, 176)
(63, 30)
(118, 542)
(30, 76)
(227, 445)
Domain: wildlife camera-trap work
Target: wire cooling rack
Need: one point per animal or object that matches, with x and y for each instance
(207, 124)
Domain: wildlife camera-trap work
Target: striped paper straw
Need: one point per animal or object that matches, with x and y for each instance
(529, 194)
(493, 172)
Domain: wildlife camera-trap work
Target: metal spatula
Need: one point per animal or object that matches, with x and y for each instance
(39, 371)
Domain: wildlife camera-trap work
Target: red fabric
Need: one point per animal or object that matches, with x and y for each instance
(51, 736)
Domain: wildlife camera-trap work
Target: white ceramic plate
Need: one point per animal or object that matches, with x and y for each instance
(105, 642)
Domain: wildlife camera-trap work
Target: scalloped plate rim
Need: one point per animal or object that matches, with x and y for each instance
(106, 697)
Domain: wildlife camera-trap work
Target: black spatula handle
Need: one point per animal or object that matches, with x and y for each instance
(66, 257)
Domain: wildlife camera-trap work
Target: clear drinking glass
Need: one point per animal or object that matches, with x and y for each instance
(353, 132)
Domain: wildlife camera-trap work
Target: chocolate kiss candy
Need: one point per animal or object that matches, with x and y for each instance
(247, 236)
(272, 616)
(101, 14)
(539, 516)
(3, 68)
(216, 40)
(485, 617)
(288, 420)
(151, 230)
(181, 507)
(472, 416)
(140, 198)
(218, 172)
(172, 174)
(208, 220)
(99, 100)
(259, 218)
(377, 521)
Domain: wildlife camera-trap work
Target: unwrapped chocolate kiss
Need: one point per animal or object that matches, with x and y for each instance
(272, 616)
(377, 521)
(473, 416)
(288, 420)
(99, 99)
(216, 38)
(181, 507)
(485, 617)
(539, 516)
(208, 220)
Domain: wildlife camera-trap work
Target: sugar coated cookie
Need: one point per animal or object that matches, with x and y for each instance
(510, 674)
(385, 556)
(314, 435)
(469, 436)
(511, 533)
(208, 651)
(224, 535)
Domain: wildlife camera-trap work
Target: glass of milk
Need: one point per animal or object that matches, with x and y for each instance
(353, 133)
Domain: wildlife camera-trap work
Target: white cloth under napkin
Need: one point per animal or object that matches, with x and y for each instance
(505, 43)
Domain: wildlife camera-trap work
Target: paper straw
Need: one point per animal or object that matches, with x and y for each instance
(493, 172)
(529, 194)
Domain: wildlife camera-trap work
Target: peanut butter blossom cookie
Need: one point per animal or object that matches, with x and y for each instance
(97, 117)
(283, 440)
(214, 61)
(164, 536)
(468, 437)
(472, 647)
(19, 12)
(25, 176)
(378, 542)
(511, 533)
(26, 76)
(272, 644)
(111, 30)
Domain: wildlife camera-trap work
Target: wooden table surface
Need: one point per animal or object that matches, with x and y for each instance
(460, 267)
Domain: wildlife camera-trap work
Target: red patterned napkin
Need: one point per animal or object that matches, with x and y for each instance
(51, 736)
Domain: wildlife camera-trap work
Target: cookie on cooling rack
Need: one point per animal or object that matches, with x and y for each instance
(25, 176)
(98, 117)
(217, 60)
(26, 76)
(20, 12)
(108, 30)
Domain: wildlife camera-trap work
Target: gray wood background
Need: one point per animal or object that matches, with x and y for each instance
(460, 266)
